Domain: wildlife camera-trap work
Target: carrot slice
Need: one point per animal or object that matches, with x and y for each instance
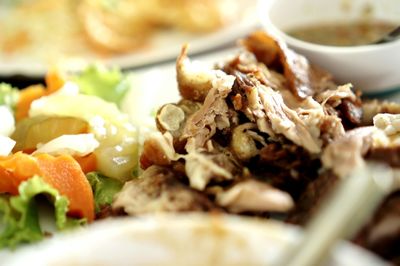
(88, 163)
(54, 79)
(26, 97)
(15, 169)
(61, 172)
(65, 175)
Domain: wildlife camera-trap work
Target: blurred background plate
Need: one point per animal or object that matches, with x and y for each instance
(163, 45)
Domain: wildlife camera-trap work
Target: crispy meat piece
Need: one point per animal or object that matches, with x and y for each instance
(295, 67)
(251, 105)
(200, 167)
(194, 81)
(189, 107)
(254, 196)
(265, 48)
(386, 141)
(321, 80)
(310, 200)
(351, 112)
(283, 156)
(297, 71)
(343, 102)
(346, 153)
(158, 149)
(335, 96)
(212, 115)
(203, 167)
(273, 116)
(302, 78)
(287, 122)
(159, 190)
(172, 118)
(374, 107)
(388, 123)
(286, 166)
(389, 155)
(244, 141)
(276, 111)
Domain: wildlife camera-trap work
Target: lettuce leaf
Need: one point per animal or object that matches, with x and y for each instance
(108, 84)
(104, 188)
(8, 95)
(20, 217)
(19, 228)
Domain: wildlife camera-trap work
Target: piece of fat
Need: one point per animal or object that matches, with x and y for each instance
(7, 125)
(74, 145)
(6, 145)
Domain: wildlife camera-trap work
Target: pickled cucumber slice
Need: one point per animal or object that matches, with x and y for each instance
(41, 129)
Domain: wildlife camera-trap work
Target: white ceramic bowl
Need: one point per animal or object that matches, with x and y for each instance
(371, 68)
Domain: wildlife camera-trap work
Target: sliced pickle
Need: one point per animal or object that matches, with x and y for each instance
(41, 129)
(117, 155)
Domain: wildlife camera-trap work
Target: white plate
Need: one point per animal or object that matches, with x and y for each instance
(179, 239)
(163, 46)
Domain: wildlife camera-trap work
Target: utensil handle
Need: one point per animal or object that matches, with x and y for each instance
(392, 36)
(353, 201)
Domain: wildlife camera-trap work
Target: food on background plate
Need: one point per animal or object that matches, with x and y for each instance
(265, 133)
(101, 28)
(126, 25)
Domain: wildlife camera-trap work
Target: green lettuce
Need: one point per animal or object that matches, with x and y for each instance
(104, 189)
(18, 228)
(108, 84)
(8, 95)
(20, 217)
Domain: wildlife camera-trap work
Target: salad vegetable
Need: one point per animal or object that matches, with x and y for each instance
(110, 85)
(21, 217)
(7, 121)
(61, 172)
(41, 129)
(67, 140)
(104, 189)
(54, 81)
(8, 95)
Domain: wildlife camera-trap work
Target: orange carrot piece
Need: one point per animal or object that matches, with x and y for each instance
(26, 97)
(61, 172)
(54, 79)
(88, 163)
(15, 169)
(65, 175)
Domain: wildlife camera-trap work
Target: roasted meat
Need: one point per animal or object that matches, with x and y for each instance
(263, 132)
(159, 190)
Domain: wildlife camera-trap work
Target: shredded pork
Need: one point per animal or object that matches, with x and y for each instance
(252, 195)
(158, 190)
(265, 131)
